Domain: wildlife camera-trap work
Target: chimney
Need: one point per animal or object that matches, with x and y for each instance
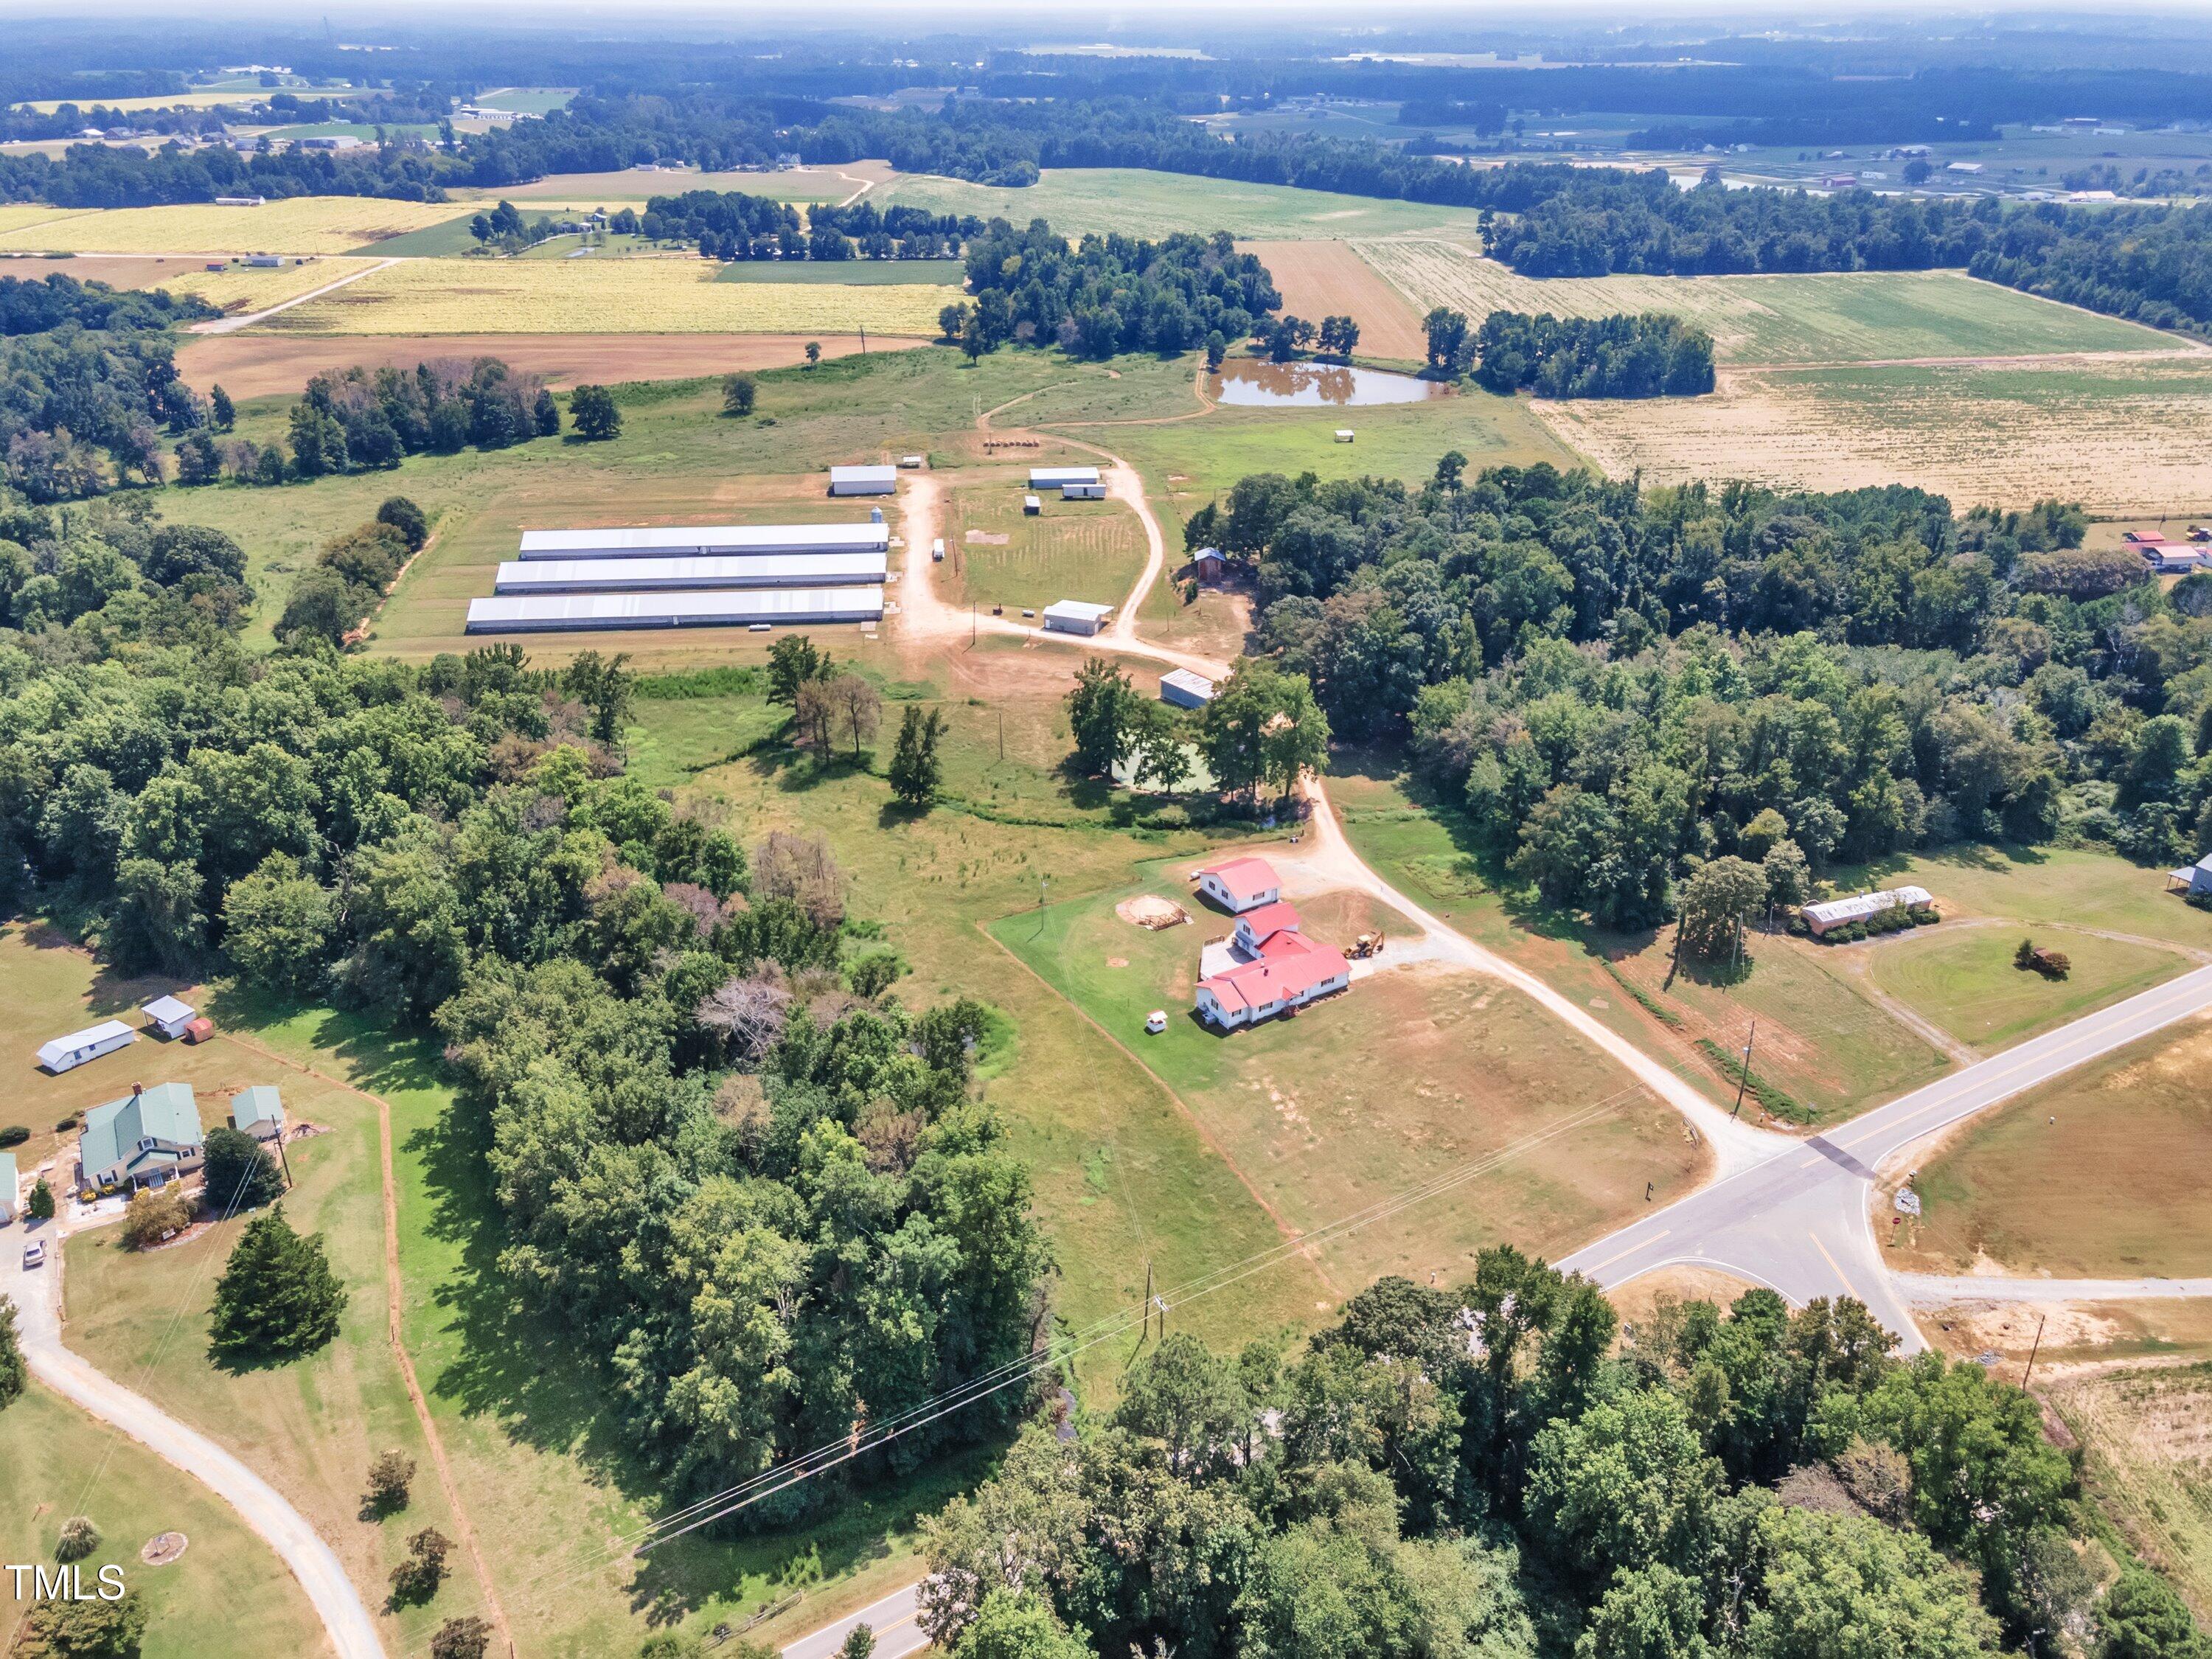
(137, 1090)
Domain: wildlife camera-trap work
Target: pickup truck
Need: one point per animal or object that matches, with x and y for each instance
(937, 550)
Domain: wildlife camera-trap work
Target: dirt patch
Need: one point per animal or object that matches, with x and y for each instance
(2008, 1329)
(163, 1548)
(1149, 911)
(1329, 279)
(261, 365)
(1646, 1294)
(985, 539)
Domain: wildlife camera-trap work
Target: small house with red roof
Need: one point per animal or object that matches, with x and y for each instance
(1256, 927)
(1240, 884)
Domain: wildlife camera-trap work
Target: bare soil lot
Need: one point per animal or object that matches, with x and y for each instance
(259, 365)
(1329, 279)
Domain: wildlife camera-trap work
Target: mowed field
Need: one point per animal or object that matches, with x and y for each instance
(1963, 980)
(1833, 318)
(1409, 1077)
(639, 297)
(1320, 279)
(2098, 1176)
(996, 554)
(585, 189)
(254, 365)
(305, 224)
(2118, 435)
(1137, 202)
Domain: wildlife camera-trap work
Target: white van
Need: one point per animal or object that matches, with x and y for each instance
(937, 550)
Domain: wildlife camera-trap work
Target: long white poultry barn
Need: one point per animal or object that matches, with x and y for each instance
(679, 541)
(555, 613)
(666, 575)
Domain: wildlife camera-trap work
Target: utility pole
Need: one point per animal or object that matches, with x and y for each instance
(1743, 1080)
(1148, 1299)
(864, 340)
(2033, 1352)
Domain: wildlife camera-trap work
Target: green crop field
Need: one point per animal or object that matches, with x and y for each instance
(1136, 202)
(55, 1461)
(2097, 1176)
(1319, 1128)
(1844, 317)
(1964, 979)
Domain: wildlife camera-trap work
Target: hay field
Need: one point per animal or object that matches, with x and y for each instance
(1137, 202)
(306, 224)
(239, 289)
(1319, 279)
(587, 190)
(2148, 1433)
(1843, 317)
(642, 296)
(2120, 437)
(22, 215)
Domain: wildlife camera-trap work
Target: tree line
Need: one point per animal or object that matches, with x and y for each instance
(735, 225)
(1444, 1474)
(1618, 683)
(1653, 355)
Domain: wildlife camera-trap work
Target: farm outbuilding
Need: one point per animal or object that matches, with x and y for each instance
(9, 1178)
(1185, 688)
(1240, 884)
(169, 1015)
(863, 480)
(1083, 492)
(1032, 505)
(148, 1138)
(78, 1047)
(1059, 477)
(705, 541)
(2194, 879)
(532, 613)
(1837, 913)
(1207, 563)
(663, 576)
(258, 1111)
(1076, 617)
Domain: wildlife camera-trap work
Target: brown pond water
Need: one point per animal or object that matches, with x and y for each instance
(1250, 382)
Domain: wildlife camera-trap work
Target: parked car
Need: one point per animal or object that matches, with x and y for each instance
(35, 1254)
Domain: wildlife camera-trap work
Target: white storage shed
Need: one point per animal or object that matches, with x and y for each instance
(863, 480)
(169, 1015)
(1083, 492)
(557, 613)
(1185, 688)
(1076, 617)
(78, 1047)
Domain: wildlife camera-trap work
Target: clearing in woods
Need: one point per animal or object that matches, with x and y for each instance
(1825, 318)
(250, 365)
(2118, 435)
(1320, 279)
(996, 554)
(1139, 202)
(578, 296)
(2098, 1176)
(303, 224)
(1410, 1075)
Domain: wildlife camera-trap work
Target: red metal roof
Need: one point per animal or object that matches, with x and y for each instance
(1280, 916)
(1290, 965)
(1245, 878)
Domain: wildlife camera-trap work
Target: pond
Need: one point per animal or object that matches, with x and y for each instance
(1250, 382)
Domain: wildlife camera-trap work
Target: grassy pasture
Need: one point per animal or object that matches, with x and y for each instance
(2044, 887)
(995, 554)
(49, 1451)
(1963, 979)
(2118, 435)
(303, 224)
(2097, 1176)
(1370, 1092)
(651, 296)
(1137, 202)
(636, 185)
(1842, 317)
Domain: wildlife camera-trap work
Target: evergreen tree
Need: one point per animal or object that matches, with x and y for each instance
(241, 1174)
(914, 766)
(277, 1294)
(42, 1201)
(225, 413)
(14, 1374)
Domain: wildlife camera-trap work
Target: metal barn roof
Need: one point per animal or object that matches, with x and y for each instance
(1077, 611)
(529, 613)
(1053, 477)
(649, 576)
(701, 540)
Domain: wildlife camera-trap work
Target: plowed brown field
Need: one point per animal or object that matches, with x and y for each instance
(1320, 279)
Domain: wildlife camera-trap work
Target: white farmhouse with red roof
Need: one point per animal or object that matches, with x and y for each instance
(1273, 966)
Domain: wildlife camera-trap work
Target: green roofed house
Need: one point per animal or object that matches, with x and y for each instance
(258, 1111)
(148, 1138)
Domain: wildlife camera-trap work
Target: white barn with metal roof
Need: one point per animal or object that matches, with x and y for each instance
(662, 575)
(1059, 477)
(681, 541)
(534, 613)
(863, 480)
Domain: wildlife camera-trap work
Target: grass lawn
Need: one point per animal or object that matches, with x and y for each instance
(1137, 202)
(55, 1461)
(1320, 1125)
(1964, 979)
(996, 554)
(2113, 1187)
(2044, 887)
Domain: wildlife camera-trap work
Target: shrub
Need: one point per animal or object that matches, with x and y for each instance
(14, 1135)
(79, 1539)
(389, 1475)
(63, 1125)
(153, 1215)
(403, 516)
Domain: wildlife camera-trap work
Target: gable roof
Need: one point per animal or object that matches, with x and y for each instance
(1278, 916)
(1244, 879)
(168, 1009)
(111, 1132)
(260, 1105)
(107, 1030)
(8, 1177)
(1289, 965)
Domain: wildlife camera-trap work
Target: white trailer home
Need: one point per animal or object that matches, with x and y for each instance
(78, 1047)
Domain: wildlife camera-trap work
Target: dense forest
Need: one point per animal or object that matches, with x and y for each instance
(1618, 683)
(1107, 294)
(1653, 355)
(741, 1181)
(1476, 1474)
(733, 225)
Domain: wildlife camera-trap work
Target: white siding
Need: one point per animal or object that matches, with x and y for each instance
(649, 576)
(722, 608)
(703, 540)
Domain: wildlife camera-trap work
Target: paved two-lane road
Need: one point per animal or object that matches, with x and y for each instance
(1799, 1221)
(892, 1620)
